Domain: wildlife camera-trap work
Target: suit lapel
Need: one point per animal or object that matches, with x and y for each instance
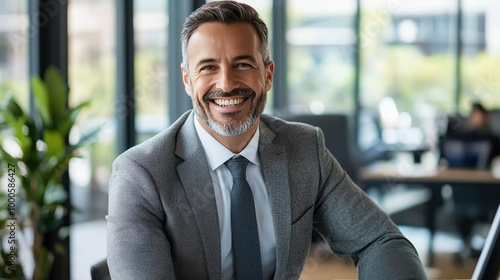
(195, 176)
(275, 172)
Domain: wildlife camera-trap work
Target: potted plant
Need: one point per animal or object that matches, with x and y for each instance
(34, 154)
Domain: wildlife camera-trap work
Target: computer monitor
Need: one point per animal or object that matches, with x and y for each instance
(488, 265)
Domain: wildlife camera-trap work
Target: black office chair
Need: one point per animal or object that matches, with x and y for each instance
(476, 151)
(340, 139)
(100, 271)
(338, 136)
(495, 121)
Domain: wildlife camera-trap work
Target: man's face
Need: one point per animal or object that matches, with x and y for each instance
(227, 79)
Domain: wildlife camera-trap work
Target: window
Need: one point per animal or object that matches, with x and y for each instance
(150, 27)
(92, 77)
(481, 54)
(408, 54)
(320, 40)
(14, 45)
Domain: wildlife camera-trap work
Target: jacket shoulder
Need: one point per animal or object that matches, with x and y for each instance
(160, 146)
(282, 126)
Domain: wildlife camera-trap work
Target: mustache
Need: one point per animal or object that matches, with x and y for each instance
(246, 93)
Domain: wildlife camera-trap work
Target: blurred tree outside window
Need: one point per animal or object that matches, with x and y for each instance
(151, 77)
(92, 76)
(408, 65)
(481, 54)
(321, 43)
(14, 47)
(408, 50)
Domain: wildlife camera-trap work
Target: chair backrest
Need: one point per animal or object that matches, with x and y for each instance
(100, 271)
(488, 265)
(338, 136)
(495, 121)
(469, 150)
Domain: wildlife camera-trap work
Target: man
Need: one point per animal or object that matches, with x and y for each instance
(171, 198)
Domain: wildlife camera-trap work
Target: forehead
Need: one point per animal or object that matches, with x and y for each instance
(212, 39)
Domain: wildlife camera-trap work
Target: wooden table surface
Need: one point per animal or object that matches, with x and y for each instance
(390, 172)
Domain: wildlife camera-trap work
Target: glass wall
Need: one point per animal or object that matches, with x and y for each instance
(320, 40)
(408, 54)
(264, 8)
(150, 34)
(14, 46)
(408, 62)
(481, 54)
(92, 77)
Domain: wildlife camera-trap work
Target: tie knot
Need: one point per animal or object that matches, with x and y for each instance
(237, 166)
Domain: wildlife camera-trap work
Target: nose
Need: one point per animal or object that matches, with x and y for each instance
(227, 80)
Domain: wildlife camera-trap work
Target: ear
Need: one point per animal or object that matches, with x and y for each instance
(185, 79)
(269, 75)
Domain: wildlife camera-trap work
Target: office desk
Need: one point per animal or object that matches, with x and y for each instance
(387, 174)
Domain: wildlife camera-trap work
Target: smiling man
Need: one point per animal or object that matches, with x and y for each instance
(228, 81)
(227, 192)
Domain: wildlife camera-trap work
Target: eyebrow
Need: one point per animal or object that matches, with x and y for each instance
(245, 57)
(237, 58)
(205, 61)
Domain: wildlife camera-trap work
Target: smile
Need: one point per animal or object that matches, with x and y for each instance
(229, 102)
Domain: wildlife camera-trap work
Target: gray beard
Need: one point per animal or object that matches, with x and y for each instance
(231, 129)
(224, 129)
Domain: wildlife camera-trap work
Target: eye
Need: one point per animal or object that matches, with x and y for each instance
(207, 68)
(243, 65)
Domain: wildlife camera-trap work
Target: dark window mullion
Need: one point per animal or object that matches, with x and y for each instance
(458, 57)
(280, 56)
(48, 46)
(125, 96)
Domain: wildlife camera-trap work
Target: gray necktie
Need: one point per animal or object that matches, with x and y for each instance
(245, 235)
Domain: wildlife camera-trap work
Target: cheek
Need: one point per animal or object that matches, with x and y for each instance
(197, 90)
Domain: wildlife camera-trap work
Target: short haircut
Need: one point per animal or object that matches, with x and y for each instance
(225, 12)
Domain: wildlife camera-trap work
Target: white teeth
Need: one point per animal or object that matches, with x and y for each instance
(228, 102)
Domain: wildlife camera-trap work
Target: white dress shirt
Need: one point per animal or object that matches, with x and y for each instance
(222, 180)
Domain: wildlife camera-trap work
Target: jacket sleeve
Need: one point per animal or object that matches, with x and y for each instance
(353, 224)
(137, 247)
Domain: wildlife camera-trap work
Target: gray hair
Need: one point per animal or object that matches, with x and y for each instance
(225, 12)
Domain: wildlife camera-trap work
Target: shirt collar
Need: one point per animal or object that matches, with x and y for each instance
(217, 154)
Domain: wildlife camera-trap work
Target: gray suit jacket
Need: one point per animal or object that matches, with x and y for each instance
(163, 223)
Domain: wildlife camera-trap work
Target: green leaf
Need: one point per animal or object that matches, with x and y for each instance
(54, 141)
(45, 259)
(24, 141)
(87, 138)
(10, 105)
(10, 112)
(55, 194)
(42, 100)
(6, 157)
(57, 93)
(69, 120)
(8, 120)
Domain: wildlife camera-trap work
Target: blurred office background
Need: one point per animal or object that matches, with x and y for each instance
(394, 68)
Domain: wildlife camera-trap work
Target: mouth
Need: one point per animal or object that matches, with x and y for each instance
(228, 102)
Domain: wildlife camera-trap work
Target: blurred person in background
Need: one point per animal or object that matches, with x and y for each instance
(478, 120)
